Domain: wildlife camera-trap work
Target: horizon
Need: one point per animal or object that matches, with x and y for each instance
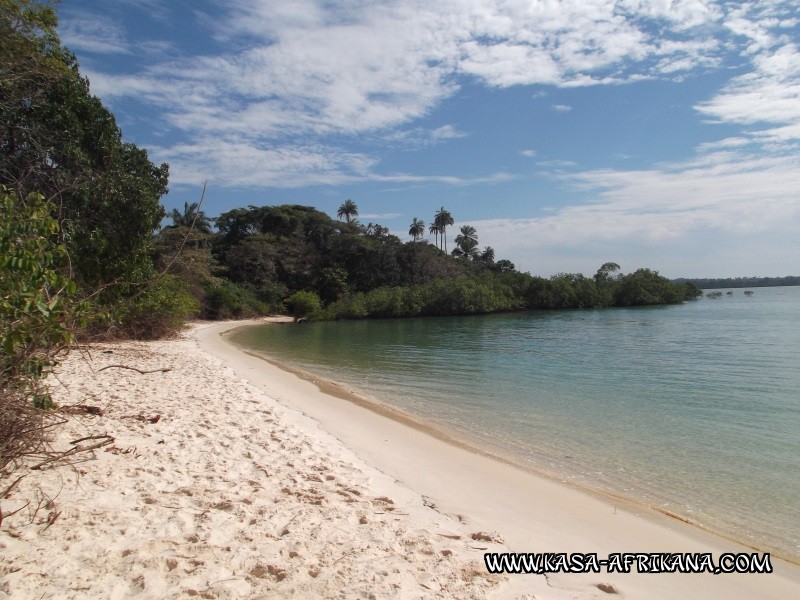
(568, 134)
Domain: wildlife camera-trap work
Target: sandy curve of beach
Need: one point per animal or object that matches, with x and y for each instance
(230, 478)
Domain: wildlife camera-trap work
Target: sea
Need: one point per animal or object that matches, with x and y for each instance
(691, 409)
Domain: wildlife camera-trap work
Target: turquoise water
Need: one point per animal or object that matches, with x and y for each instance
(693, 409)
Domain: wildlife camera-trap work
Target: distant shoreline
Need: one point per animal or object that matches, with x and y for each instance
(741, 282)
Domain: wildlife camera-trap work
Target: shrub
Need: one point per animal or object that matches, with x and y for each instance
(302, 304)
(227, 300)
(159, 310)
(38, 311)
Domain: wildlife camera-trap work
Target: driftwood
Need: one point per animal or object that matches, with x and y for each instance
(164, 370)
(103, 440)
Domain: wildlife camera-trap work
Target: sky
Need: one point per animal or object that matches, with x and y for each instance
(653, 133)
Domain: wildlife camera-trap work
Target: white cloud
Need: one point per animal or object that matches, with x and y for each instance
(239, 162)
(333, 67)
(300, 73)
(769, 94)
(671, 217)
(96, 34)
(561, 108)
(419, 137)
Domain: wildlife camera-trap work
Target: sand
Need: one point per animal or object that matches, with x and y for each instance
(231, 478)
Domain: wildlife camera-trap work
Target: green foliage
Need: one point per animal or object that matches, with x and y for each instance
(364, 271)
(465, 296)
(442, 219)
(37, 303)
(467, 243)
(38, 311)
(303, 305)
(159, 309)
(59, 140)
(417, 229)
(227, 300)
(642, 287)
(191, 217)
(348, 210)
(645, 287)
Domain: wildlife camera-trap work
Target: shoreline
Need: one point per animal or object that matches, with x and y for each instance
(342, 391)
(676, 533)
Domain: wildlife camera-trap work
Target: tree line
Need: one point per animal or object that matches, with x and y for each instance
(298, 259)
(741, 282)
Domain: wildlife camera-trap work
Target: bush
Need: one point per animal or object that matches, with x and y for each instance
(159, 310)
(227, 300)
(38, 311)
(302, 305)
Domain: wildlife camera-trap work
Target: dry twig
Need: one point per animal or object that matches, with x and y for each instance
(162, 370)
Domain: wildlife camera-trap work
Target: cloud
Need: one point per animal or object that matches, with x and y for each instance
(419, 137)
(318, 67)
(679, 215)
(96, 34)
(294, 81)
(768, 94)
(239, 162)
(561, 107)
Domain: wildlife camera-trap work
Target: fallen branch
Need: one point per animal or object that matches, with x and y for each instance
(105, 441)
(164, 370)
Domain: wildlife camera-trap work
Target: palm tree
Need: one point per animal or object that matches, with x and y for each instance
(435, 230)
(467, 242)
(417, 229)
(443, 219)
(468, 232)
(192, 216)
(348, 210)
(468, 249)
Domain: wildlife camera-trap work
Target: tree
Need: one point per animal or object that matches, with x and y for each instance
(504, 266)
(58, 140)
(417, 229)
(468, 234)
(486, 258)
(443, 218)
(348, 210)
(435, 230)
(604, 272)
(37, 312)
(467, 243)
(191, 216)
(302, 304)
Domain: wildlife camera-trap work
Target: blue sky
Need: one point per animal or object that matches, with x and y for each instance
(659, 133)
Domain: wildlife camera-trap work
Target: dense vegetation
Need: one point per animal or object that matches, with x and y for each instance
(299, 259)
(78, 206)
(741, 282)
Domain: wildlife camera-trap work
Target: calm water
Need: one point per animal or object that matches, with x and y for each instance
(693, 409)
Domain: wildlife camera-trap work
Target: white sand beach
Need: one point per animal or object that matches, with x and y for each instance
(231, 478)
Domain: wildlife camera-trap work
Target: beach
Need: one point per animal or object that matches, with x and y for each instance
(229, 477)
